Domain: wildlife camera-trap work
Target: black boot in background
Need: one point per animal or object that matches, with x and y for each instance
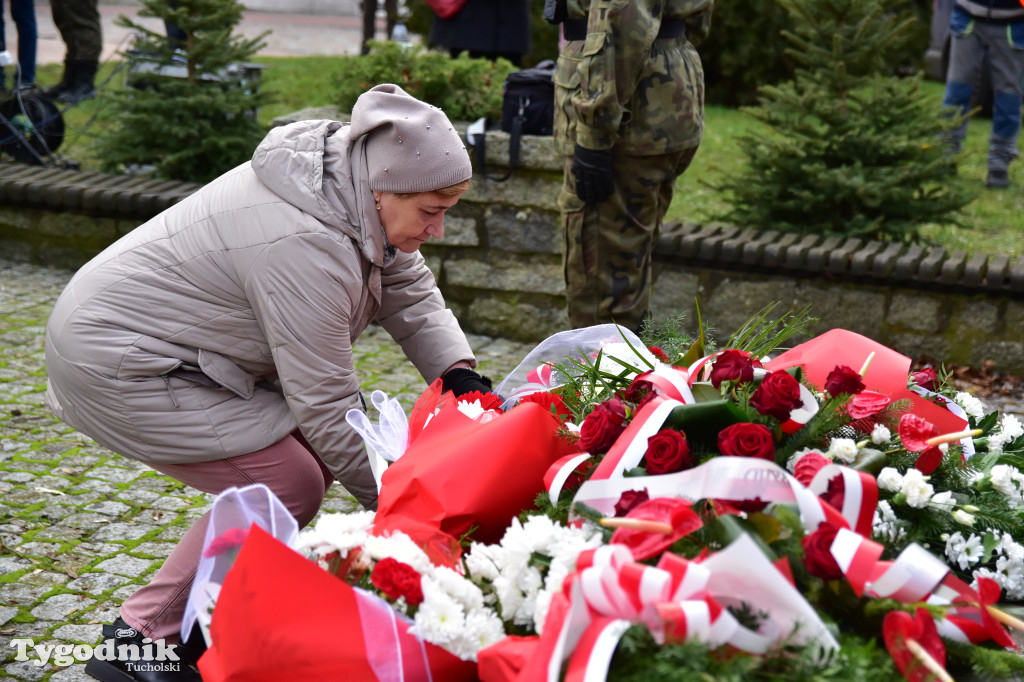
(82, 85)
(124, 654)
(66, 80)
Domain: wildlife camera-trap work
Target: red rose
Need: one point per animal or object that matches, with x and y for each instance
(835, 494)
(746, 440)
(396, 579)
(842, 380)
(733, 365)
(554, 404)
(602, 426)
(667, 452)
(818, 553)
(777, 395)
(228, 540)
(658, 353)
(809, 465)
(926, 378)
(630, 500)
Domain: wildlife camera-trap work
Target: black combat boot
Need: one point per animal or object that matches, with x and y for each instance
(127, 656)
(66, 80)
(82, 85)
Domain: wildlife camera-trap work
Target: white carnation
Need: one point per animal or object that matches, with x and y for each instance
(917, 489)
(1011, 427)
(943, 501)
(1002, 478)
(880, 435)
(843, 449)
(963, 518)
(972, 406)
(890, 479)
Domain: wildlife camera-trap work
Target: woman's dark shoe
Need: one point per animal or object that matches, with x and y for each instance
(127, 656)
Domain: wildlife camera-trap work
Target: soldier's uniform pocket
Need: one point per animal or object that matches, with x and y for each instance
(567, 83)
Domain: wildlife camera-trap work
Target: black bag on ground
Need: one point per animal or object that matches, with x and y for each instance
(528, 102)
(527, 108)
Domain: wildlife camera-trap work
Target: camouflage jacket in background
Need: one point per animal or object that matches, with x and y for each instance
(623, 88)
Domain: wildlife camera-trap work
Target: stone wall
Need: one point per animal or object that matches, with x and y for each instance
(499, 267)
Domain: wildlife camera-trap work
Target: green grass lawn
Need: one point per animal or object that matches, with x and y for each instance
(992, 222)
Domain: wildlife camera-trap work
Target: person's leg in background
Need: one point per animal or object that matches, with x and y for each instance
(79, 24)
(609, 247)
(23, 13)
(1006, 64)
(966, 52)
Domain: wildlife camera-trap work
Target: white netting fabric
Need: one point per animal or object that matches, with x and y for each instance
(574, 343)
(233, 508)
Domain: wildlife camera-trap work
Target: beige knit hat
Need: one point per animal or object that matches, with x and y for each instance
(411, 146)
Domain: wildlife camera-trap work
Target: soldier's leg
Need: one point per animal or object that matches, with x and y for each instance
(608, 247)
(965, 55)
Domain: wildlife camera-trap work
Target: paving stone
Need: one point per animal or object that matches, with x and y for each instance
(141, 498)
(121, 531)
(173, 533)
(96, 583)
(89, 634)
(60, 532)
(97, 548)
(124, 564)
(12, 564)
(172, 503)
(73, 673)
(46, 578)
(60, 607)
(109, 508)
(94, 485)
(114, 474)
(7, 612)
(19, 593)
(157, 549)
(37, 549)
(122, 593)
(27, 670)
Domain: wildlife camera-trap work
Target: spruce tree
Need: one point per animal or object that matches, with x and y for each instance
(186, 108)
(850, 151)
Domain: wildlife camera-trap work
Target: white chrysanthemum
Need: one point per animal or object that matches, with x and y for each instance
(972, 406)
(1011, 427)
(439, 618)
(480, 562)
(462, 590)
(400, 547)
(987, 573)
(955, 544)
(1001, 476)
(943, 501)
(1010, 549)
(337, 532)
(971, 552)
(880, 435)
(917, 489)
(843, 449)
(890, 479)
(482, 629)
(617, 357)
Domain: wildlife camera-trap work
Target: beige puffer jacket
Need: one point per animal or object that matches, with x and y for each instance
(217, 327)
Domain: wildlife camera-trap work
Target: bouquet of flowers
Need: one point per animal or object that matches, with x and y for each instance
(671, 508)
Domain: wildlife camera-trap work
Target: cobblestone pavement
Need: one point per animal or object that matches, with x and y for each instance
(80, 527)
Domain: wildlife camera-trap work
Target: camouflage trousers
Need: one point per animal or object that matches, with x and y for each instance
(608, 248)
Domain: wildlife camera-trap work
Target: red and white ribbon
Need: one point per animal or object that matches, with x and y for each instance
(631, 446)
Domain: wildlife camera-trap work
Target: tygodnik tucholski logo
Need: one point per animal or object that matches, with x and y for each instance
(150, 655)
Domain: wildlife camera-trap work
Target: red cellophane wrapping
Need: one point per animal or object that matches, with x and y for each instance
(281, 617)
(459, 474)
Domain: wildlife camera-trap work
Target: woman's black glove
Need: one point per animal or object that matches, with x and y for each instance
(462, 380)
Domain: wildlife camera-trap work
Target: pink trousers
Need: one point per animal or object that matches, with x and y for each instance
(289, 468)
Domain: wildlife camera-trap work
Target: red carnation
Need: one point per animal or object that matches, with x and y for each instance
(926, 379)
(746, 440)
(733, 365)
(818, 553)
(808, 466)
(842, 380)
(488, 401)
(667, 452)
(396, 579)
(631, 499)
(228, 540)
(602, 426)
(777, 395)
(553, 403)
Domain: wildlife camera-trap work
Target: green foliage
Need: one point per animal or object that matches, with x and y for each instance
(192, 127)
(464, 88)
(851, 151)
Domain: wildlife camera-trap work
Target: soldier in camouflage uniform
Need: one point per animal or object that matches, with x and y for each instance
(629, 115)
